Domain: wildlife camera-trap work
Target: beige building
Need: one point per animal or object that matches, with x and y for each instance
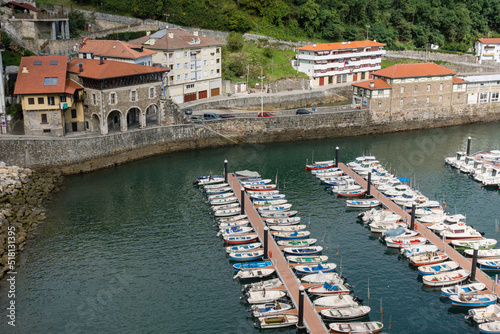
(194, 62)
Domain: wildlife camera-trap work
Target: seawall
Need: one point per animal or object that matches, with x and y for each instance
(84, 154)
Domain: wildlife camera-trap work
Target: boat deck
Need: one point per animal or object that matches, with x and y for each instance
(465, 263)
(312, 319)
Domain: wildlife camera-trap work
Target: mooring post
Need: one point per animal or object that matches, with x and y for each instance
(474, 264)
(300, 324)
(242, 205)
(225, 171)
(468, 145)
(336, 156)
(369, 185)
(412, 226)
(266, 237)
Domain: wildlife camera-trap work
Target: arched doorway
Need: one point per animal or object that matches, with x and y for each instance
(114, 121)
(95, 125)
(152, 115)
(133, 118)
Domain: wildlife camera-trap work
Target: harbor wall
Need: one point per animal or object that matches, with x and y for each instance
(84, 154)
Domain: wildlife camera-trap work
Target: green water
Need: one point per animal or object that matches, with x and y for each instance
(132, 249)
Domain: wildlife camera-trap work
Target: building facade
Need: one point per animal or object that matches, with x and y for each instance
(115, 50)
(194, 62)
(487, 49)
(334, 63)
(482, 88)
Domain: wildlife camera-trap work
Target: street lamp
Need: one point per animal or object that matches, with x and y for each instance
(261, 97)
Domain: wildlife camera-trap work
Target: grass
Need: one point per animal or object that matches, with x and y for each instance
(387, 63)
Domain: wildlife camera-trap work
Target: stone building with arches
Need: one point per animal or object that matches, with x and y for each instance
(120, 96)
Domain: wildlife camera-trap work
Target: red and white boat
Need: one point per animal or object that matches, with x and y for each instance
(404, 241)
(260, 187)
(351, 193)
(321, 165)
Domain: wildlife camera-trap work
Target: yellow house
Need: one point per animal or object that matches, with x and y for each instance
(52, 104)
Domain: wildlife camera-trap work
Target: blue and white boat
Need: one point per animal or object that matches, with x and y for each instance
(242, 222)
(297, 243)
(462, 289)
(261, 310)
(236, 230)
(219, 190)
(275, 208)
(314, 269)
(250, 183)
(252, 265)
(248, 256)
(244, 248)
(318, 172)
(473, 300)
(267, 197)
(283, 221)
(362, 204)
(312, 250)
(488, 264)
(291, 235)
(287, 228)
(279, 214)
(490, 328)
(434, 269)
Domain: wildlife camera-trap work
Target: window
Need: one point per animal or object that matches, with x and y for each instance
(204, 73)
(112, 98)
(218, 50)
(427, 99)
(428, 88)
(178, 66)
(151, 92)
(205, 62)
(217, 60)
(62, 98)
(414, 100)
(186, 53)
(186, 75)
(178, 77)
(344, 78)
(415, 88)
(402, 89)
(401, 102)
(458, 97)
(440, 86)
(211, 72)
(51, 101)
(171, 78)
(440, 98)
(494, 97)
(46, 130)
(73, 113)
(483, 97)
(186, 65)
(363, 77)
(53, 62)
(189, 86)
(44, 118)
(211, 61)
(94, 99)
(50, 81)
(218, 71)
(379, 103)
(177, 55)
(380, 92)
(31, 100)
(133, 96)
(37, 62)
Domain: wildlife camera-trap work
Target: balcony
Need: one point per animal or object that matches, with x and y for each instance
(341, 56)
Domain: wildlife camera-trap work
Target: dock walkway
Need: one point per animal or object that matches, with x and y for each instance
(312, 319)
(424, 231)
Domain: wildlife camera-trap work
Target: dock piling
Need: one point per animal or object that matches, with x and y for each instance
(300, 324)
(413, 208)
(266, 246)
(474, 264)
(225, 171)
(242, 205)
(468, 145)
(369, 184)
(336, 156)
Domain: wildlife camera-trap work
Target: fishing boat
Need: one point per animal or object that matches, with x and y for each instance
(267, 284)
(205, 180)
(218, 196)
(236, 230)
(243, 248)
(255, 182)
(262, 310)
(222, 201)
(485, 314)
(279, 214)
(484, 252)
(473, 300)
(321, 165)
(434, 269)
(287, 228)
(252, 265)
(231, 219)
(291, 235)
(269, 202)
(297, 243)
(302, 251)
(275, 208)
(328, 289)
(346, 313)
(336, 301)
(247, 256)
(218, 190)
(322, 277)
(367, 203)
(428, 258)
(264, 296)
(445, 279)
(314, 269)
(410, 251)
(360, 160)
(376, 227)
(351, 193)
(259, 197)
(462, 289)
(215, 186)
(254, 274)
(490, 328)
(488, 264)
(309, 260)
(228, 212)
(243, 222)
(283, 221)
(469, 244)
(240, 239)
(260, 187)
(278, 321)
(400, 242)
(319, 172)
(356, 327)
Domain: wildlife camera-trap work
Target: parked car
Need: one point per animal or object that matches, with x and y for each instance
(188, 111)
(195, 119)
(265, 114)
(226, 116)
(303, 112)
(208, 116)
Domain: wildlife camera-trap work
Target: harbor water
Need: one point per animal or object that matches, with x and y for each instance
(133, 249)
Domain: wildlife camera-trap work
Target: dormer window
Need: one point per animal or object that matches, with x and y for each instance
(50, 81)
(37, 62)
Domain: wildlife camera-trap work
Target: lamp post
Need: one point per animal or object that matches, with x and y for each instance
(261, 97)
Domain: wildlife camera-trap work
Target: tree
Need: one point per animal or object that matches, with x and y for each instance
(235, 41)
(76, 22)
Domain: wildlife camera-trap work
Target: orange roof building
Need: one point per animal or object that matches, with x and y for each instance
(487, 49)
(116, 50)
(344, 62)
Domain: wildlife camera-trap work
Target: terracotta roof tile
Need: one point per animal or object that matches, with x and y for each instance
(31, 77)
(413, 70)
(115, 49)
(181, 40)
(340, 45)
(489, 40)
(109, 69)
(71, 87)
(458, 80)
(378, 84)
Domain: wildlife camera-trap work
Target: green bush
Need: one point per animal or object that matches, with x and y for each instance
(76, 22)
(235, 41)
(268, 52)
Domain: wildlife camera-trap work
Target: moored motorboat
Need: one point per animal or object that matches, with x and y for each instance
(287, 228)
(428, 258)
(486, 264)
(445, 279)
(255, 182)
(309, 260)
(279, 214)
(462, 289)
(490, 327)
(328, 289)
(226, 206)
(240, 239)
(368, 203)
(400, 242)
(303, 251)
(231, 219)
(278, 321)
(473, 300)
(485, 314)
(222, 201)
(297, 243)
(434, 269)
(264, 296)
(228, 212)
(243, 222)
(247, 256)
(268, 192)
(274, 208)
(314, 269)
(470, 244)
(254, 274)
(291, 235)
(243, 248)
(259, 197)
(371, 327)
(484, 252)
(267, 284)
(218, 196)
(236, 230)
(218, 190)
(252, 265)
(322, 277)
(460, 231)
(283, 221)
(336, 301)
(206, 180)
(410, 251)
(320, 165)
(261, 310)
(346, 313)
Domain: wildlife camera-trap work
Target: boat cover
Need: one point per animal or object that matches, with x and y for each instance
(394, 233)
(330, 287)
(403, 179)
(247, 173)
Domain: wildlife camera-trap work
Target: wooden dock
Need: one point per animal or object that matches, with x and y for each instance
(312, 319)
(454, 255)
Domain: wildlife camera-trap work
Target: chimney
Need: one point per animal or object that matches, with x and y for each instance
(349, 42)
(80, 66)
(101, 60)
(195, 33)
(372, 84)
(25, 70)
(314, 45)
(170, 35)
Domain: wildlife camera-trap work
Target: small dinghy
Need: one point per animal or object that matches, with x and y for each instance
(469, 244)
(410, 251)
(225, 206)
(309, 260)
(243, 222)
(323, 277)
(462, 289)
(320, 165)
(268, 284)
(473, 300)
(289, 228)
(252, 265)
(297, 243)
(260, 187)
(376, 227)
(314, 269)
(269, 202)
(240, 239)
(283, 221)
(485, 314)
(346, 313)
(278, 321)
(445, 279)
(400, 242)
(219, 196)
(490, 328)
(363, 204)
(250, 183)
(434, 269)
(222, 201)
(351, 193)
(371, 327)
(279, 214)
(275, 208)
(231, 219)
(247, 256)
(301, 251)
(399, 232)
(336, 301)
(243, 248)
(254, 274)
(218, 190)
(264, 296)
(263, 310)
(328, 289)
(488, 264)
(291, 235)
(269, 192)
(427, 259)
(228, 212)
(484, 252)
(215, 186)
(206, 180)
(236, 230)
(259, 197)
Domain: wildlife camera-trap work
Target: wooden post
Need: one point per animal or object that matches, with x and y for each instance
(266, 247)
(300, 324)
(468, 145)
(474, 264)
(368, 185)
(225, 171)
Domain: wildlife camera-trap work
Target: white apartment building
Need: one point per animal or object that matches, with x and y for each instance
(331, 63)
(487, 49)
(194, 62)
(482, 88)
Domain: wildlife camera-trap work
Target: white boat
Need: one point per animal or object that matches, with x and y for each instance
(416, 250)
(243, 248)
(291, 235)
(346, 313)
(462, 289)
(267, 309)
(236, 230)
(433, 269)
(302, 251)
(336, 301)
(223, 195)
(274, 208)
(283, 221)
(260, 197)
(492, 156)
(324, 171)
(225, 206)
(312, 259)
(322, 277)
(228, 212)
(216, 186)
(460, 156)
(287, 228)
(371, 327)
(445, 279)
(427, 258)
(254, 273)
(470, 244)
(485, 314)
(269, 202)
(222, 201)
(490, 328)
(251, 255)
(328, 289)
(404, 241)
(367, 203)
(460, 231)
(210, 181)
(297, 243)
(376, 227)
(473, 299)
(495, 252)
(231, 219)
(314, 268)
(264, 296)
(360, 160)
(279, 214)
(243, 222)
(432, 218)
(268, 192)
(278, 321)
(249, 183)
(267, 284)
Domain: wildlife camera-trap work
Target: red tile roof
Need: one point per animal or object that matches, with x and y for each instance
(489, 40)
(458, 80)
(180, 40)
(32, 82)
(109, 69)
(378, 84)
(71, 87)
(115, 49)
(22, 5)
(413, 70)
(340, 45)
